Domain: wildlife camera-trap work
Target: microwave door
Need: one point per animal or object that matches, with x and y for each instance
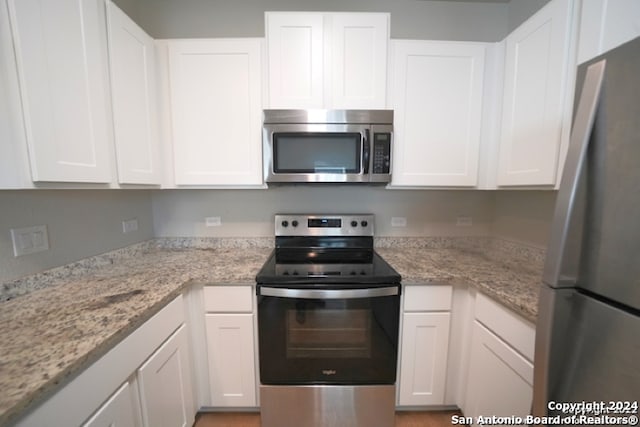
(317, 153)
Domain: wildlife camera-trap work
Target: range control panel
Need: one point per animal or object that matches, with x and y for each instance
(324, 225)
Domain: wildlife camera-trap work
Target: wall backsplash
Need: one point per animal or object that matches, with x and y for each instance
(524, 216)
(249, 213)
(80, 223)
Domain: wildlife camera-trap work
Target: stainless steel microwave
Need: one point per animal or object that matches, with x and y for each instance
(327, 146)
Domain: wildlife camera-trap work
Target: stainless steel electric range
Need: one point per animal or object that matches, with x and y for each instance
(328, 318)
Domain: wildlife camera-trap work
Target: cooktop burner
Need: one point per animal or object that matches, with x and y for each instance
(315, 250)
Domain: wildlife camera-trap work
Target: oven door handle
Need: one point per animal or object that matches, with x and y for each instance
(328, 293)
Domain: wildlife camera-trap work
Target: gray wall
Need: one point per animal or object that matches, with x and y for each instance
(523, 216)
(80, 223)
(412, 19)
(250, 212)
(520, 10)
(438, 20)
(520, 216)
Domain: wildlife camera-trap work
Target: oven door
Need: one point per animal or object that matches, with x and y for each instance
(316, 153)
(328, 336)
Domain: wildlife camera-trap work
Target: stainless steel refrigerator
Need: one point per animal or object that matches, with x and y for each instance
(588, 330)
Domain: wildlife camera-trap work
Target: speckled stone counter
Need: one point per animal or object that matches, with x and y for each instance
(517, 290)
(49, 335)
(57, 323)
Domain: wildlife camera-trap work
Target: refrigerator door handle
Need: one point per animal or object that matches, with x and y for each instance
(561, 265)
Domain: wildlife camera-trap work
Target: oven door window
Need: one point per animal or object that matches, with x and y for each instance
(343, 341)
(317, 152)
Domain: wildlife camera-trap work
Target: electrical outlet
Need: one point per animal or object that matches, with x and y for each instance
(464, 221)
(29, 240)
(130, 225)
(398, 221)
(213, 221)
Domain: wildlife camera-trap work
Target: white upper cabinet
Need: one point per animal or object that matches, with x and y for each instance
(536, 71)
(216, 111)
(606, 24)
(15, 172)
(359, 58)
(61, 57)
(133, 94)
(437, 90)
(327, 60)
(295, 56)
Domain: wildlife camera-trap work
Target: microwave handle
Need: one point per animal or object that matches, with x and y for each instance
(366, 150)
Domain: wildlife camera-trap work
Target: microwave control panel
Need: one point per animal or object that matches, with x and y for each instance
(381, 153)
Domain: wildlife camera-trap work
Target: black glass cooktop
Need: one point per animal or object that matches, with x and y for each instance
(324, 266)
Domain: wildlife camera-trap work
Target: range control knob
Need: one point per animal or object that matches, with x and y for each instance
(285, 223)
(354, 223)
(364, 223)
(294, 223)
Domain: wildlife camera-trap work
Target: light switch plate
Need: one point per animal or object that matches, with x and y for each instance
(29, 240)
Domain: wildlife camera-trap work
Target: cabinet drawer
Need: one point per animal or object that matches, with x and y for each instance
(519, 333)
(228, 299)
(427, 298)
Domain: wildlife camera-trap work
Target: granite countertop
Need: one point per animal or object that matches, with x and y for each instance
(515, 284)
(71, 316)
(51, 334)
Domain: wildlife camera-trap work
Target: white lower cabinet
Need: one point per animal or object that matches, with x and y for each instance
(166, 393)
(500, 376)
(500, 380)
(229, 323)
(424, 345)
(118, 411)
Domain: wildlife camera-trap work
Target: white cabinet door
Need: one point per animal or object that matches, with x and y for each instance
(166, 393)
(296, 64)
(606, 24)
(423, 364)
(536, 68)
(437, 90)
(117, 411)
(500, 380)
(15, 172)
(231, 351)
(216, 111)
(359, 57)
(133, 88)
(327, 60)
(61, 55)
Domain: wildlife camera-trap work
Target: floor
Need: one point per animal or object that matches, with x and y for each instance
(403, 419)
